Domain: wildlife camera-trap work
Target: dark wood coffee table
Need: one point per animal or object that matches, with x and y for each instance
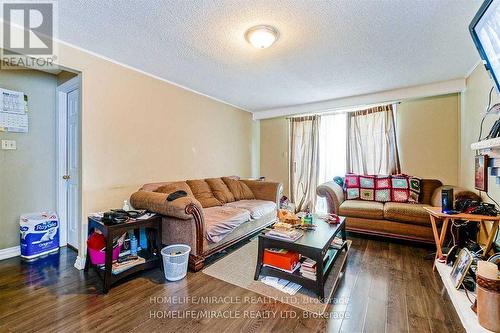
(315, 244)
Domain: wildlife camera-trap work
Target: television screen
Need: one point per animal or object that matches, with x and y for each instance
(485, 31)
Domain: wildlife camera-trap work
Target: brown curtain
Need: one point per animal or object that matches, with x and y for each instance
(304, 152)
(371, 142)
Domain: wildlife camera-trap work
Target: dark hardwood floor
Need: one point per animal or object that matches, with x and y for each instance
(389, 287)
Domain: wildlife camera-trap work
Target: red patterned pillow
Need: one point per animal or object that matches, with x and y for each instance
(351, 183)
(383, 188)
(400, 188)
(351, 180)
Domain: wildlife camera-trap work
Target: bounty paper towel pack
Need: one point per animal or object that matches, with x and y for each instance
(39, 234)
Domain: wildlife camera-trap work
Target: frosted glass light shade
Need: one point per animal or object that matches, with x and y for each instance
(262, 36)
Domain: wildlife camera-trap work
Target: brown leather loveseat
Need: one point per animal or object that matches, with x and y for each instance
(216, 213)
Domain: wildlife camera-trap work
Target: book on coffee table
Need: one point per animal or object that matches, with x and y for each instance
(290, 235)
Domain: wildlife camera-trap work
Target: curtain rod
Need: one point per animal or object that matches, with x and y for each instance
(343, 109)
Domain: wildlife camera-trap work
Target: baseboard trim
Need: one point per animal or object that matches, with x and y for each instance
(79, 263)
(10, 252)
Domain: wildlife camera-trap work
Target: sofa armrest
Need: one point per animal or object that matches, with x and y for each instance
(334, 195)
(458, 192)
(183, 208)
(271, 191)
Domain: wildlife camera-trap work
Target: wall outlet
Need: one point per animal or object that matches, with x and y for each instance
(9, 145)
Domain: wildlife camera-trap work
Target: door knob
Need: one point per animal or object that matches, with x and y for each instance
(66, 177)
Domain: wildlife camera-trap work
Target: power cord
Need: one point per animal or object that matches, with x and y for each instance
(487, 112)
(496, 203)
(498, 206)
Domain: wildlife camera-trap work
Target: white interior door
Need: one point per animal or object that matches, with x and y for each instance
(73, 167)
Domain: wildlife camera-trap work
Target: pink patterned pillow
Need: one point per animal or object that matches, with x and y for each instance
(351, 183)
(351, 180)
(367, 187)
(383, 188)
(400, 188)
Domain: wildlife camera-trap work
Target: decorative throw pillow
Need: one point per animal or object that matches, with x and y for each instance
(367, 188)
(414, 183)
(339, 180)
(351, 183)
(203, 193)
(400, 188)
(351, 180)
(352, 193)
(220, 190)
(174, 186)
(240, 190)
(383, 188)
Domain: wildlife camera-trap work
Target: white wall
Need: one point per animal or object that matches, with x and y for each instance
(474, 102)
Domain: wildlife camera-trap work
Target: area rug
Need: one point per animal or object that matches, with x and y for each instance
(238, 268)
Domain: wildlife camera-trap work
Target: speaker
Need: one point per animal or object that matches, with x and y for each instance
(446, 199)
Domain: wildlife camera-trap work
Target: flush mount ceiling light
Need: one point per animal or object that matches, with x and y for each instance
(262, 36)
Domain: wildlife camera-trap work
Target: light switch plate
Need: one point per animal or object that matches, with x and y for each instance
(9, 145)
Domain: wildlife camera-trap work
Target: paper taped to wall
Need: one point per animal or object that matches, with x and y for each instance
(14, 122)
(11, 101)
(13, 107)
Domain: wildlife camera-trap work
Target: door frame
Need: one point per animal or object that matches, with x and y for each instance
(62, 154)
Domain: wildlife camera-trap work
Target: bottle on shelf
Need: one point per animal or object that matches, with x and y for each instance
(133, 245)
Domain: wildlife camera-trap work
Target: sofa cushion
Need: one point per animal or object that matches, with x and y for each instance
(257, 208)
(411, 213)
(174, 186)
(240, 190)
(203, 193)
(363, 209)
(220, 190)
(221, 220)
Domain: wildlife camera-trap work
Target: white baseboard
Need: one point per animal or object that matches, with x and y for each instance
(10, 252)
(79, 263)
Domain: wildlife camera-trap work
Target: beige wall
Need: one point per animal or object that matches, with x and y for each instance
(27, 175)
(138, 129)
(428, 137)
(474, 101)
(274, 150)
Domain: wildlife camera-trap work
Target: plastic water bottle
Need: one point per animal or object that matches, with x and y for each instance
(133, 245)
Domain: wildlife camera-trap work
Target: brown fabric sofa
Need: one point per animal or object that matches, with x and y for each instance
(217, 212)
(391, 219)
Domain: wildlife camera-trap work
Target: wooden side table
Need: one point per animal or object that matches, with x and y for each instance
(436, 214)
(152, 254)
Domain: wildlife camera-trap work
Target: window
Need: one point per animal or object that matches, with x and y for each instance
(332, 151)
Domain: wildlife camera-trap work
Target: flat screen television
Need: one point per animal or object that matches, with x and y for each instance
(485, 31)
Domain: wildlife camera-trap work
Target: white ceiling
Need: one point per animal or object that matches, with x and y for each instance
(326, 50)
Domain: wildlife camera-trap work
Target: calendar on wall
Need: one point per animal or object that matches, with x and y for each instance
(13, 111)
